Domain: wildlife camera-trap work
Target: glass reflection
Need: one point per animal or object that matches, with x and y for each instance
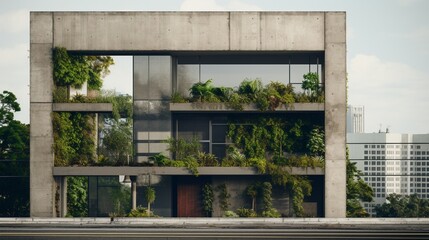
(232, 75)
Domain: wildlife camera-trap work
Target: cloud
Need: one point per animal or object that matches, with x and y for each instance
(213, 5)
(394, 94)
(14, 21)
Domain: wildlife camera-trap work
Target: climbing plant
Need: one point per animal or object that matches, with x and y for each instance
(74, 70)
(223, 197)
(207, 199)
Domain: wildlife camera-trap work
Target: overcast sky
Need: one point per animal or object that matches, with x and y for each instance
(387, 47)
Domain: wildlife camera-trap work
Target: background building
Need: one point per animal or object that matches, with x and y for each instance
(355, 119)
(391, 163)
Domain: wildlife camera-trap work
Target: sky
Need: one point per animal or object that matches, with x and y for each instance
(387, 50)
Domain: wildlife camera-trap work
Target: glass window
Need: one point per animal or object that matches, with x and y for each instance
(187, 75)
(231, 75)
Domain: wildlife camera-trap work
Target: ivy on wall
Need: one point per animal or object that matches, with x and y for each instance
(74, 70)
(74, 142)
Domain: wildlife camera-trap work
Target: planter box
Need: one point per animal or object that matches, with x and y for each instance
(222, 107)
(135, 171)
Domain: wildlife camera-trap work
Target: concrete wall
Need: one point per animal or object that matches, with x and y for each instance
(137, 32)
(42, 184)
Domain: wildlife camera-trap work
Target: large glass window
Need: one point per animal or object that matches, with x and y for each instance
(231, 70)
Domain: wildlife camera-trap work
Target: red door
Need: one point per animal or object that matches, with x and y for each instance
(189, 198)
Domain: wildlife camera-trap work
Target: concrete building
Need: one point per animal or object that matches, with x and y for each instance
(391, 163)
(355, 119)
(171, 51)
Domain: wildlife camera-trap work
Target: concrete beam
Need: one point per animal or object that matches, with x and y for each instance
(82, 107)
(135, 171)
(148, 31)
(294, 31)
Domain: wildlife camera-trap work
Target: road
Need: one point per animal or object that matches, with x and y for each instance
(80, 233)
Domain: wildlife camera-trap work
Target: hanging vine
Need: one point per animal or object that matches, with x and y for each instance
(207, 197)
(223, 197)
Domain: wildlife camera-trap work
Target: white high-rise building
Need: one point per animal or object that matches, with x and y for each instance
(355, 119)
(391, 163)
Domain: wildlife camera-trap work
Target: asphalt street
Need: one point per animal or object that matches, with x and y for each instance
(204, 233)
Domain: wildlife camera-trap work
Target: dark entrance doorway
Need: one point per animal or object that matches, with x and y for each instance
(189, 197)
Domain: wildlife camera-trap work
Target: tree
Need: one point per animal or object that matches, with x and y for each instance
(403, 206)
(311, 84)
(8, 106)
(117, 143)
(150, 198)
(357, 190)
(14, 159)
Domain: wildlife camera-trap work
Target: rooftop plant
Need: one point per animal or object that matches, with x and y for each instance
(268, 97)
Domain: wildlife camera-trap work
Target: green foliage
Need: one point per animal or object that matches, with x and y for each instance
(271, 213)
(252, 191)
(316, 142)
(191, 163)
(117, 144)
(273, 136)
(15, 144)
(311, 86)
(74, 70)
(270, 97)
(207, 159)
(14, 159)
(8, 105)
(298, 186)
(245, 212)
(149, 195)
(203, 92)
(74, 138)
(178, 98)
(207, 199)
(267, 200)
(357, 190)
(250, 88)
(77, 198)
(223, 197)
(234, 158)
(186, 153)
(230, 214)
(140, 212)
(408, 206)
(181, 148)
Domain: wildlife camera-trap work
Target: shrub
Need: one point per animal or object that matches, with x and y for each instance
(140, 212)
(245, 212)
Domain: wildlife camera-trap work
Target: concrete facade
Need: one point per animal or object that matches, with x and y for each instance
(168, 32)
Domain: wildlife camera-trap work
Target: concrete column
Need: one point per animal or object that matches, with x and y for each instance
(42, 184)
(133, 192)
(63, 196)
(335, 114)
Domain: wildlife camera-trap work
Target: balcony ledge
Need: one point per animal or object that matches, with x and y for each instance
(135, 171)
(82, 107)
(222, 107)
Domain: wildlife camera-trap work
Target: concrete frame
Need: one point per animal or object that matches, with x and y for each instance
(166, 32)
